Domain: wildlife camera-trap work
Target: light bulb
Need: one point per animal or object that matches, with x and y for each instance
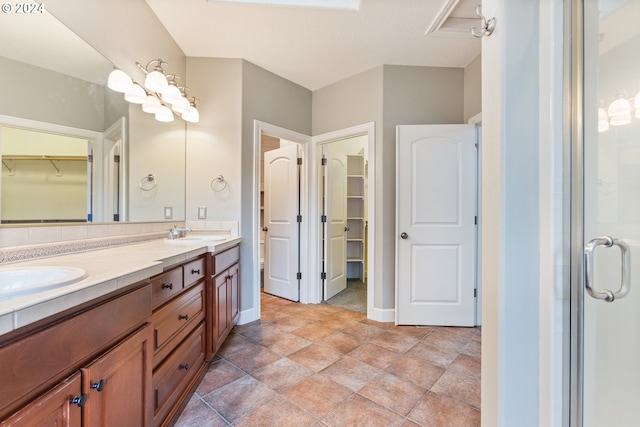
(182, 106)
(156, 81)
(172, 94)
(136, 94)
(119, 81)
(151, 105)
(164, 115)
(192, 115)
(619, 112)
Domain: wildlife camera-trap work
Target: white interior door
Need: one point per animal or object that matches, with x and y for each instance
(436, 225)
(281, 210)
(609, 295)
(335, 199)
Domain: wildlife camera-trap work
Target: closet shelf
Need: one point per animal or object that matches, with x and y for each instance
(45, 157)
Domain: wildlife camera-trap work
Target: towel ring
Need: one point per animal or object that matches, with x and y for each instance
(216, 180)
(148, 179)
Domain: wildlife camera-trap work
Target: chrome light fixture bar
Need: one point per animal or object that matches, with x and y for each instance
(160, 95)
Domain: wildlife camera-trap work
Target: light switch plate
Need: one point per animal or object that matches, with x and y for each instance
(202, 212)
(168, 212)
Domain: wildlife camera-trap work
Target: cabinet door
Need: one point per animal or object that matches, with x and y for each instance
(220, 309)
(119, 384)
(232, 290)
(56, 408)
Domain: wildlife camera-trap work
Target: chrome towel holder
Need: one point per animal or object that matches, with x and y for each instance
(217, 182)
(150, 180)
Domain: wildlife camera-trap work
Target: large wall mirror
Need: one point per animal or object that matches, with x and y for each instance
(72, 149)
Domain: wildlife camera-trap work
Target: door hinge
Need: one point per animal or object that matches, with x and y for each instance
(324, 161)
(299, 160)
(299, 276)
(116, 158)
(90, 158)
(299, 218)
(475, 220)
(323, 276)
(323, 218)
(475, 292)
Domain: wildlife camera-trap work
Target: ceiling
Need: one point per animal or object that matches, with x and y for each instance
(317, 47)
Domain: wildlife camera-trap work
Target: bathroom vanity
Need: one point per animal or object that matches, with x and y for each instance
(130, 356)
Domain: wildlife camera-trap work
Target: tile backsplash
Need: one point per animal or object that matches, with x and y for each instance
(39, 241)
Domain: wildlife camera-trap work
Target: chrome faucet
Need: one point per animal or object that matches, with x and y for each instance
(177, 232)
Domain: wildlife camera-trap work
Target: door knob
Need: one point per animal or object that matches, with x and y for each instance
(404, 235)
(346, 229)
(265, 229)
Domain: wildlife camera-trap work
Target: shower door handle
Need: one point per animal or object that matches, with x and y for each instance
(589, 279)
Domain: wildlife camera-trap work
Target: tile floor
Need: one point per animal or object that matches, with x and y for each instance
(318, 365)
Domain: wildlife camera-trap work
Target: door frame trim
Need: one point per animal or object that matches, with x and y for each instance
(574, 144)
(314, 206)
(304, 140)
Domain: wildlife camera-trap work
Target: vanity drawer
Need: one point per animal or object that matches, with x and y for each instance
(171, 378)
(193, 271)
(165, 285)
(225, 259)
(181, 314)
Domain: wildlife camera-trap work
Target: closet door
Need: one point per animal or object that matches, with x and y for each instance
(281, 227)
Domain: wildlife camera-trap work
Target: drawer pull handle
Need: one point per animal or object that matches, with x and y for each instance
(79, 400)
(193, 271)
(99, 386)
(169, 286)
(185, 366)
(183, 317)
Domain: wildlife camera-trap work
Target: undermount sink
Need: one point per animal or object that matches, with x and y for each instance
(28, 280)
(200, 238)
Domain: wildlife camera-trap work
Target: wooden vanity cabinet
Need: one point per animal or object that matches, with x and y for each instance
(59, 407)
(223, 295)
(179, 338)
(92, 365)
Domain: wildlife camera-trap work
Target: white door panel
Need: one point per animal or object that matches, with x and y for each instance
(335, 226)
(281, 208)
(436, 191)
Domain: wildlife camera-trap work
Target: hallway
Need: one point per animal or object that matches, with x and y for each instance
(319, 365)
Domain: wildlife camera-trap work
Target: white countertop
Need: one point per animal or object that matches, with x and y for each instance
(107, 270)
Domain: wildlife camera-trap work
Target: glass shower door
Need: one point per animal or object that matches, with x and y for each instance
(609, 298)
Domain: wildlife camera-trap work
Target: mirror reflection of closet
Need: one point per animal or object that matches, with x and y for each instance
(45, 177)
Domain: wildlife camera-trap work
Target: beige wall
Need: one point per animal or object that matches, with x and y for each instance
(473, 88)
(277, 101)
(389, 96)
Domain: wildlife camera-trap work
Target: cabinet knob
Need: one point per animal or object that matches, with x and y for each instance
(79, 400)
(99, 386)
(185, 366)
(169, 286)
(347, 229)
(193, 271)
(183, 317)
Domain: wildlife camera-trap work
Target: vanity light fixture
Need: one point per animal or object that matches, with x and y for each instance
(162, 96)
(619, 111)
(155, 81)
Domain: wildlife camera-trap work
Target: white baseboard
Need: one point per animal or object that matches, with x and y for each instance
(248, 316)
(382, 315)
